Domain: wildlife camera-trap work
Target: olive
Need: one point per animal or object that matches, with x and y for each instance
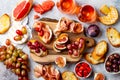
(109, 69)
(115, 70)
(117, 56)
(93, 30)
(108, 63)
(115, 61)
(119, 62)
(115, 66)
(111, 57)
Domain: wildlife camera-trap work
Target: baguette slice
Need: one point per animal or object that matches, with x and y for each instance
(99, 50)
(90, 59)
(67, 75)
(113, 36)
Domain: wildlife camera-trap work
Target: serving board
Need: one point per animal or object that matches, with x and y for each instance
(51, 53)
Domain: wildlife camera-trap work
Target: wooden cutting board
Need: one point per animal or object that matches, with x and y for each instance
(52, 54)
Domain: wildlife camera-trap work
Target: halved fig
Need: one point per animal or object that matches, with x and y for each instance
(63, 38)
(60, 61)
(55, 49)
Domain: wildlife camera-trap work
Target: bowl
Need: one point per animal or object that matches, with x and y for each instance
(83, 69)
(112, 63)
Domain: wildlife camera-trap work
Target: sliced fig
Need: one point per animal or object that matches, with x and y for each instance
(60, 46)
(63, 38)
(60, 61)
(55, 49)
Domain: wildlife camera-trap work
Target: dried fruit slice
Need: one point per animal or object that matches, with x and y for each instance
(4, 23)
(63, 38)
(60, 61)
(22, 9)
(104, 9)
(111, 17)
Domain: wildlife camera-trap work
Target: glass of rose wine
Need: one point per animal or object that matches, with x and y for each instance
(85, 13)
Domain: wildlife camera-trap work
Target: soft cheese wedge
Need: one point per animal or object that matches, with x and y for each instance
(12, 32)
(111, 17)
(4, 23)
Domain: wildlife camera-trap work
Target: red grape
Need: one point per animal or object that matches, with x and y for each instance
(69, 46)
(19, 32)
(29, 43)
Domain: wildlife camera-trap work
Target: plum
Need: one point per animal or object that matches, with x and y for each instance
(93, 30)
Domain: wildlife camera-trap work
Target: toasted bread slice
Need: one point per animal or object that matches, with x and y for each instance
(4, 23)
(90, 59)
(113, 36)
(111, 17)
(99, 50)
(67, 75)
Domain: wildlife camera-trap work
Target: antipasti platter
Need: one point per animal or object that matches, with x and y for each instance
(59, 40)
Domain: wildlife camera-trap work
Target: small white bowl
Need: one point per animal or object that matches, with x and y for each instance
(87, 75)
(105, 64)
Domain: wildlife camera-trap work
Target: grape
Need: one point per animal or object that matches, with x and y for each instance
(115, 70)
(24, 30)
(7, 42)
(18, 65)
(11, 47)
(8, 56)
(69, 46)
(19, 59)
(119, 62)
(108, 63)
(19, 32)
(74, 46)
(115, 61)
(37, 50)
(2, 53)
(23, 73)
(17, 71)
(14, 58)
(70, 52)
(24, 67)
(32, 47)
(109, 69)
(43, 48)
(111, 57)
(40, 45)
(115, 66)
(117, 56)
(76, 43)
(24, 57)
(29, 43)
